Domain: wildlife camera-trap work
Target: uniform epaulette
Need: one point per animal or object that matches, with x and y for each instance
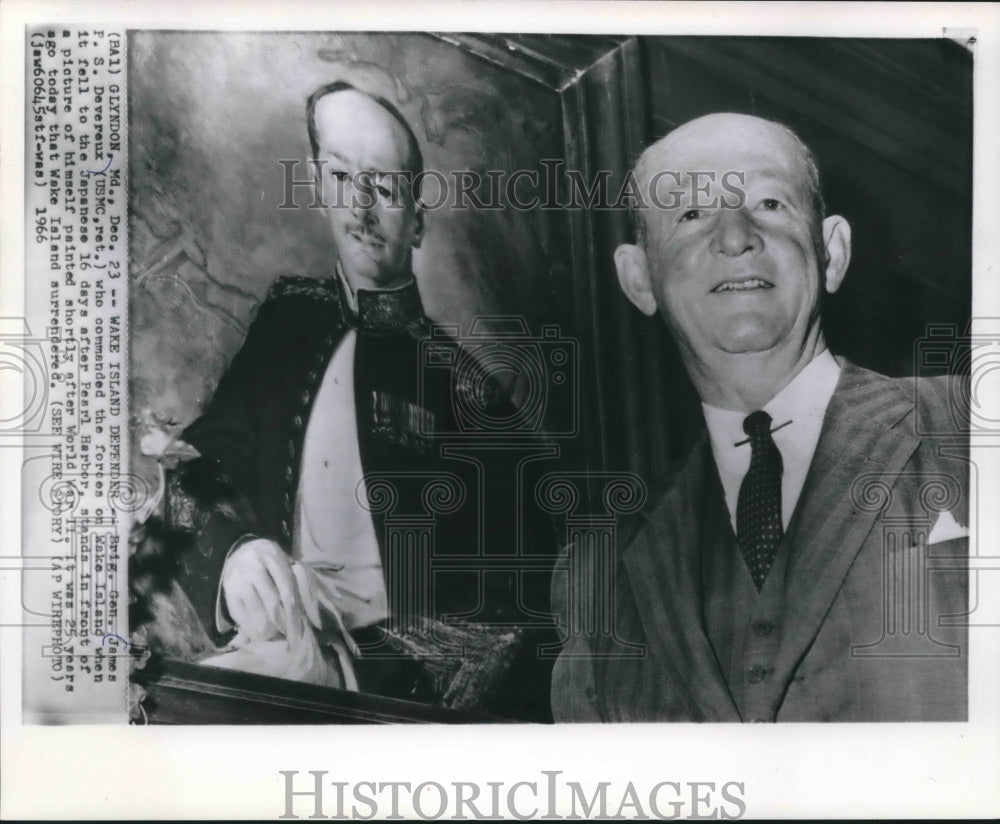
(297, 286)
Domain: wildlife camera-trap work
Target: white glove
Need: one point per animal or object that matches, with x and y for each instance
(261, 592)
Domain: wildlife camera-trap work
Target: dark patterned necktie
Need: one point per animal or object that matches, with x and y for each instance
(758, 508)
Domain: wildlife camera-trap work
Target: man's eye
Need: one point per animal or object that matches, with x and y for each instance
(690, 214)
(384, 191)
(770, 204)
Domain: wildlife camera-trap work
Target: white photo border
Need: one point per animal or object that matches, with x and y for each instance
(798, 770)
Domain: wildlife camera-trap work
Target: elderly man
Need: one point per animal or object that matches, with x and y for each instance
(782, 571)
(323, 491)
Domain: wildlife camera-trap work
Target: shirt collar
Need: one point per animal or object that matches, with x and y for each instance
(802, 401)
(382, 310)
(346, 290)
(807, 395)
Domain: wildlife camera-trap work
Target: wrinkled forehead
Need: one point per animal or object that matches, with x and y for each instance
(741, 144)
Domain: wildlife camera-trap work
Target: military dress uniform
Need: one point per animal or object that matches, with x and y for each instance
(251, 438)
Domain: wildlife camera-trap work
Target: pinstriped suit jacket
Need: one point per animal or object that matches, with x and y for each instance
(872, 628)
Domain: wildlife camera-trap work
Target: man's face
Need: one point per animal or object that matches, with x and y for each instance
(375, 222)
(736, 280)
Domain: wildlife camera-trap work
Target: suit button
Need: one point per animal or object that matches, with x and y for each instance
(763, 627)
(297, 420)
(289, 474)
(328, 341)
(288, 501)
(755, 674)
(291, 449)
(284, 528)
(311, 377)
(305, 397)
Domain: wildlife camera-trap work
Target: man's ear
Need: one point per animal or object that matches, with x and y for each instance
(633, 276)
(418, 227)
(837, 242)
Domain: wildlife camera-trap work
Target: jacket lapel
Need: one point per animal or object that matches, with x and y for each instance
(663, 561)
(860, 436)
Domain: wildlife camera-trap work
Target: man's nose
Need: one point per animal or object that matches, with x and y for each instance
(362, 200)
(363, 211)
(734, 234)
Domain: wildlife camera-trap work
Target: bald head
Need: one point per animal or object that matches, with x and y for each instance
(367, 172)
(374, 112)
(728, 142)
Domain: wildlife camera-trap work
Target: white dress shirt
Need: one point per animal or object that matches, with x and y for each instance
(334, 534)
(334, 538)
(337, 566)
(797, 413)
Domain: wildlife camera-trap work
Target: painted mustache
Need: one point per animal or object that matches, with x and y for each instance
(365, 234)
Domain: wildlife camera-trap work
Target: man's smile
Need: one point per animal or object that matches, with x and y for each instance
(743, 285)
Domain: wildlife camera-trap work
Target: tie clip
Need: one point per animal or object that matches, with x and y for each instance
(773, 430)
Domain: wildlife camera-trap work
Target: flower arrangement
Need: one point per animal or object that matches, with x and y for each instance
(149, 543)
